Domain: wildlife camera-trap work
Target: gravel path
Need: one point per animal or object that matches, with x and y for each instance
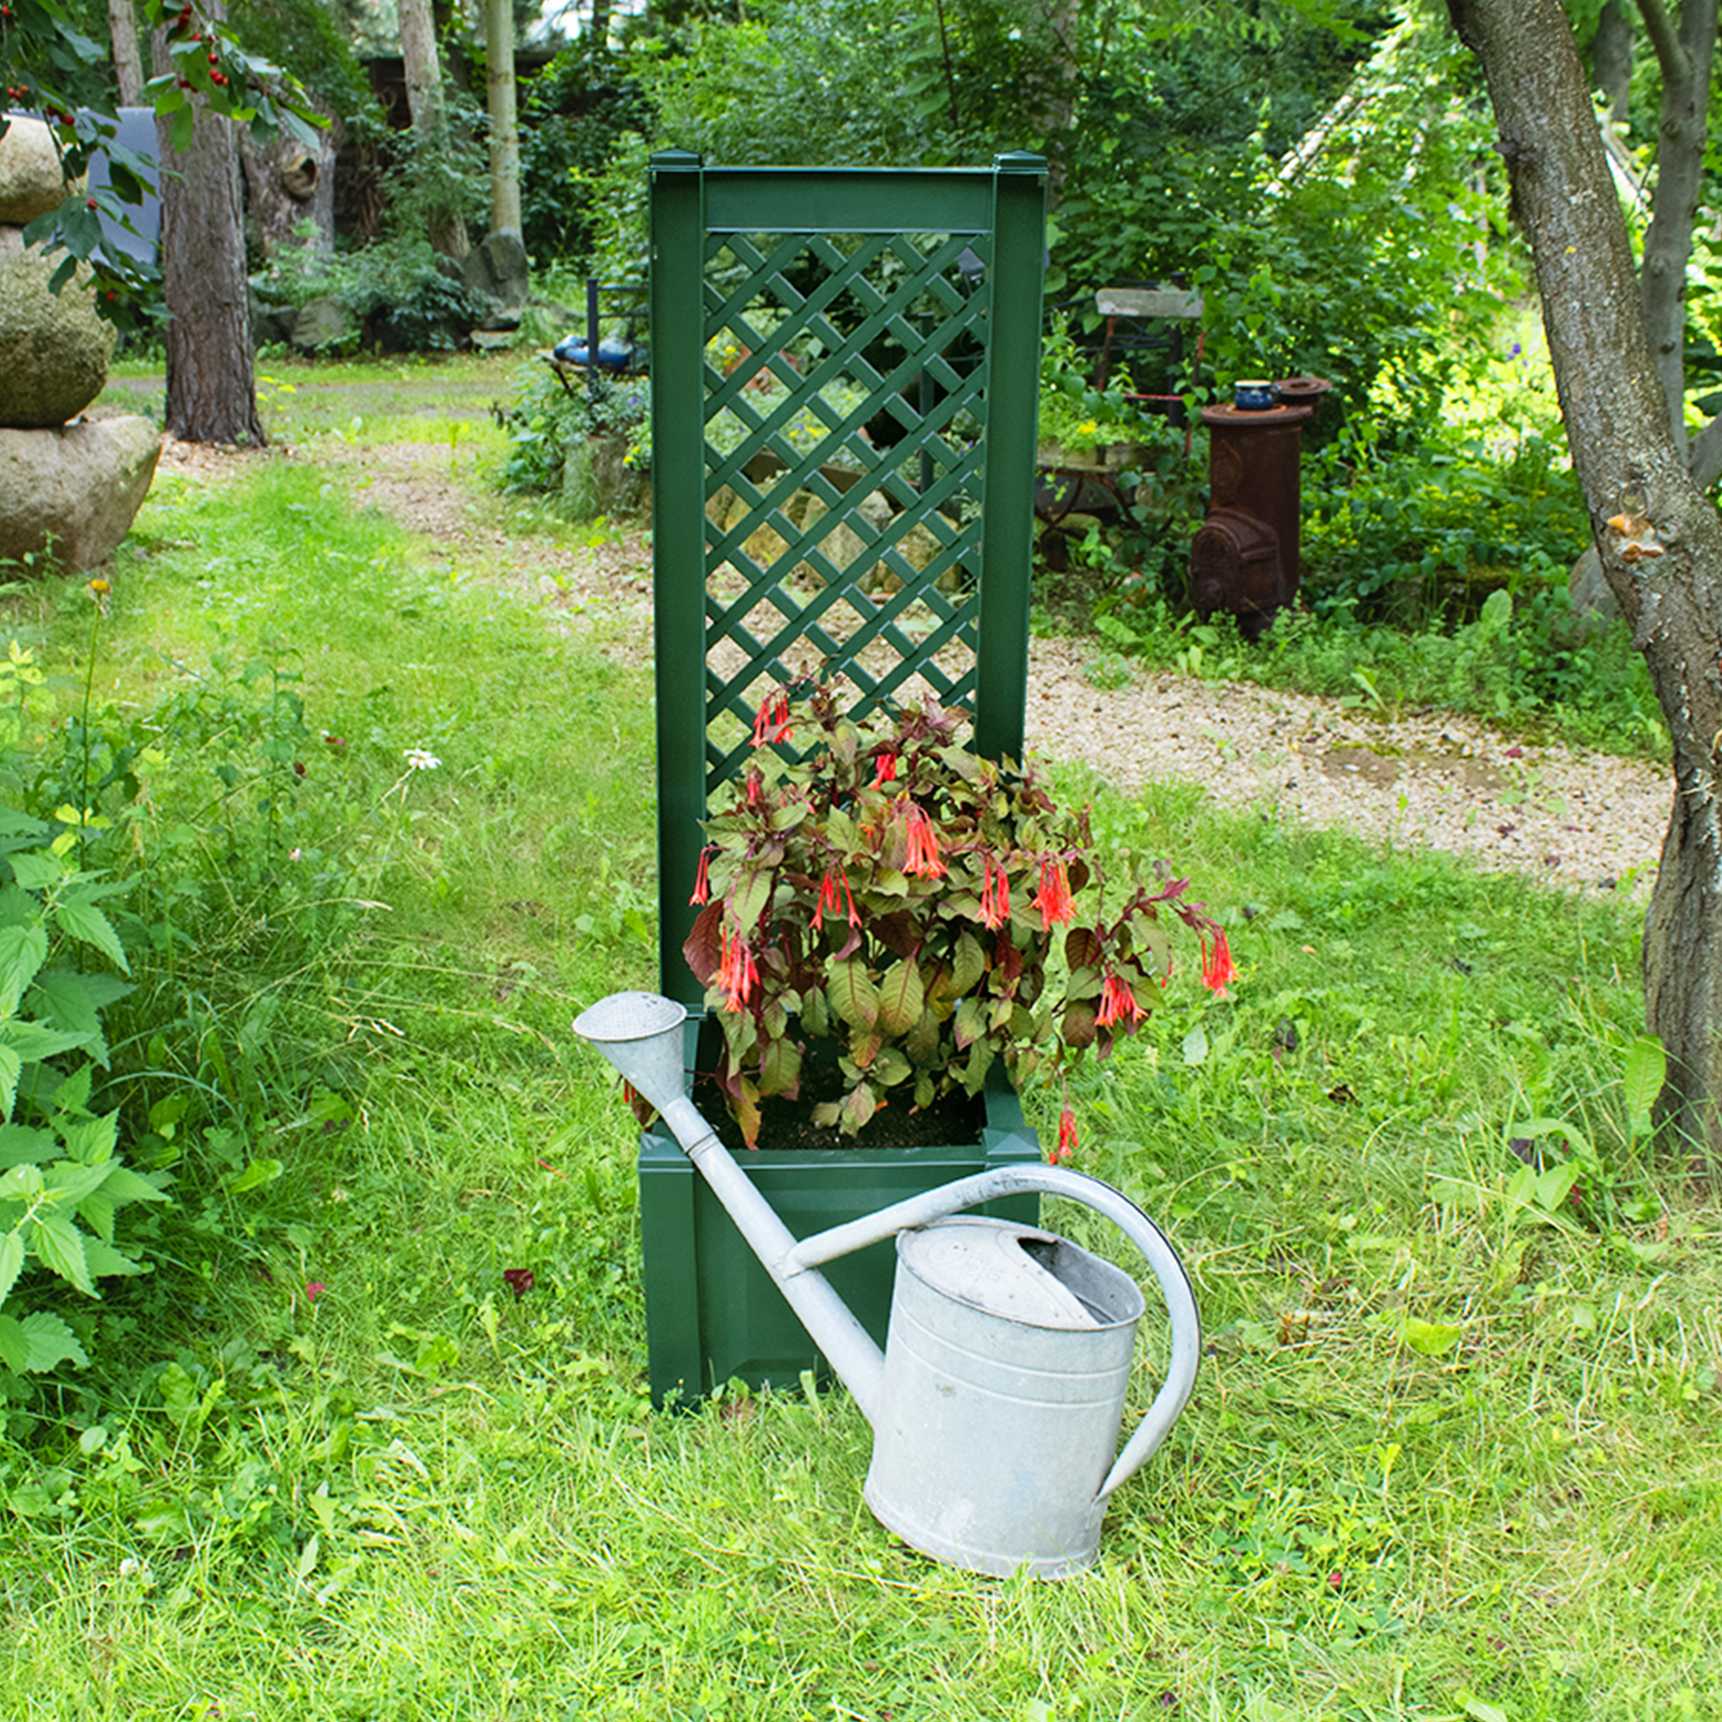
(1583, 820)
(1579, 819)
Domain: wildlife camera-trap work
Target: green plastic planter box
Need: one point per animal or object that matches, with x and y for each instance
(712, 1312)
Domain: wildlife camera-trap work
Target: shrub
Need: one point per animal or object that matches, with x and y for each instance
(900, 896)
(403, 296)
(549, 419)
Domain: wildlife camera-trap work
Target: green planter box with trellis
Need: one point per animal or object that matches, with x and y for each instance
(844, 384)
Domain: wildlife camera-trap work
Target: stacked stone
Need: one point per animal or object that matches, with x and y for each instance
(69, 486)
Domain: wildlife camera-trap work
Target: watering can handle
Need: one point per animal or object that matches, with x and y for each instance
(986, 1187)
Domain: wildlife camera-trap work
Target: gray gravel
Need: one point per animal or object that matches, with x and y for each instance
(1587, 820)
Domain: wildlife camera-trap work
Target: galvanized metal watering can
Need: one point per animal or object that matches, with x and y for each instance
(996, 1404)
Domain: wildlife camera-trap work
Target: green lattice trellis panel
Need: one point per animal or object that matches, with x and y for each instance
(844, 379)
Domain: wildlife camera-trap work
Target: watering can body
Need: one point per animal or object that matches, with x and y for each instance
(996, 1404)
(1005, 1377)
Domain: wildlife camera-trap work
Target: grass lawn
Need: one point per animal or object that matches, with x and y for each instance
(1454, 1451)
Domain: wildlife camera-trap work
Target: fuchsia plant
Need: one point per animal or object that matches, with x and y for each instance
(920, 905)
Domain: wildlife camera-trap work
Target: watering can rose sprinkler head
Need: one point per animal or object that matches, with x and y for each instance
(997, 1403)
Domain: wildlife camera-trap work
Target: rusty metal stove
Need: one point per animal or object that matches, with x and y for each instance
(1245, 554)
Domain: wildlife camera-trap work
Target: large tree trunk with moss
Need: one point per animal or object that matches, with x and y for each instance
(128, 58)
(211, 381)
(504, 126)
(1659, 538)
(425, 103)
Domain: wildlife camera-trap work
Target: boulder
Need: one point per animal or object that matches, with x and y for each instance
(54, 349)
(495, 272)
(30, 182)
(322, 324)
(74, 493)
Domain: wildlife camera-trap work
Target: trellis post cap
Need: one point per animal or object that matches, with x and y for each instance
(676, 160)
(1016, 161)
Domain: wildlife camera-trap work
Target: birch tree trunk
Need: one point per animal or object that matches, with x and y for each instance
(424, 102)
(128, 58)
(1659, 537)
(504, 126)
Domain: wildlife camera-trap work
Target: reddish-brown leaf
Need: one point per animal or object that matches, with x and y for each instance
(703, 947)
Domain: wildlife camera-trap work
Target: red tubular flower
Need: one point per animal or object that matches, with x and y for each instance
(1053, 897)
(702, 884)
(835, 898)
(995, 896)
(885, 768)
(738, 974)
(1117, 1003)
(1218, 970)
(923, 861)
(771, 722)
(1068, 1142)
(755, 788)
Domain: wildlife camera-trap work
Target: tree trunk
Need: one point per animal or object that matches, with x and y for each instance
(287, 185)
(1611, 59)
(1660, 539)
(504, 127)
(1684, 54)
(211, 386)
(424, 102)
(128, 60)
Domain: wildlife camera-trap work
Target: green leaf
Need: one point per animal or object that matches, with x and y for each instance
(852, 993)
(968, 964)
(1196, 1045)
(21, 1146)
(1646, 1071)
(11, 1068)
(14, 1347)
(748, 900)
(68, 1183)
(89, 926)
(970, 1024)
(35, 1041)
(901, 997)
(50, 1341)
(37, 869)
(1475, 1709)
(125, 1185)
(1430, 1338)
(23, 950)
(59, 1246)
(11, 1260)
(257, 1173)
(105, 1261)
(858, 1106)
(890, 1068)
(780, 1067)
(91, 1140)
(1556, 1184)
(21, 1183)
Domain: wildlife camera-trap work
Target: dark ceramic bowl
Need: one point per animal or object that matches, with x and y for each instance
(1253, 395)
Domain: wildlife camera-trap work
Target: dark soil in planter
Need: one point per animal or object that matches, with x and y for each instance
(951, 1121)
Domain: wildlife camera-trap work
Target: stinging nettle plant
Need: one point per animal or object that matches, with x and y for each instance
(929, 910)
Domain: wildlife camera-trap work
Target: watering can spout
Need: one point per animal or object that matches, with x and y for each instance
(641, 1035)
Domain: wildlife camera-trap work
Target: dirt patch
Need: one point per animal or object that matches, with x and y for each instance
(422, 487)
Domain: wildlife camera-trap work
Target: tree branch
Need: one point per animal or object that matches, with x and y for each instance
(1704, 454)
(1670, 52)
